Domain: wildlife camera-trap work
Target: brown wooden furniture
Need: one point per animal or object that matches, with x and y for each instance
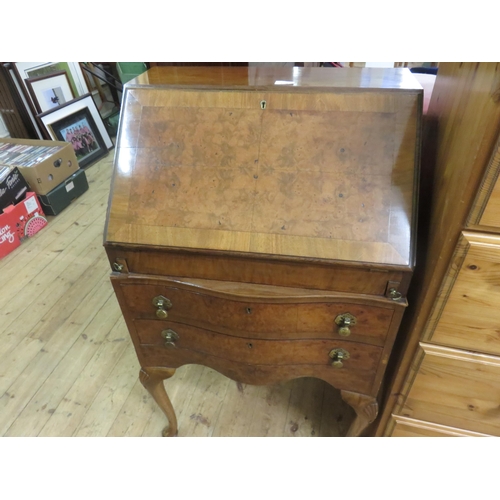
(448, 379)
(261, 222)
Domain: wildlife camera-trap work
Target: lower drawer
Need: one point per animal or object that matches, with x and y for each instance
(455, 388)
(256, 351)
(278, 359)
(348, 379)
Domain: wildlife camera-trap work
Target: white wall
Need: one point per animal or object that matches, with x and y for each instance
(379, 65)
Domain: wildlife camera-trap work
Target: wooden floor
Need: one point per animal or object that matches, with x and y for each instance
(68, 367)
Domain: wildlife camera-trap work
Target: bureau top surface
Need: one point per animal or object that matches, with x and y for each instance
(255, 76)
(323, 169)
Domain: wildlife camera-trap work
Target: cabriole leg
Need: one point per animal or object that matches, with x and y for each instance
(152, 379)
(366, 408)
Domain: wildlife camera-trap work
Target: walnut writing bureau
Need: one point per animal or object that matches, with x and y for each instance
(261, 222)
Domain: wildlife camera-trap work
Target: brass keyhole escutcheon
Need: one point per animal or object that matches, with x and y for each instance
(162, 304)
(338, 357)
(263, 104)
(345, 321)
(170, 337)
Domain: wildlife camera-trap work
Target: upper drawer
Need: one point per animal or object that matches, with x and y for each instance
(486, 208)
(466, 313)
(260, 311)
(455, 388)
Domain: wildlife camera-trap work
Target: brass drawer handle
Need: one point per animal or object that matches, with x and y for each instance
(345, 321)
(117, 267)
(162, 303)
(338, 356)
(170, 337)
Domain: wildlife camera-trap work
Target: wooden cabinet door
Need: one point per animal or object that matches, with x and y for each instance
(467, 312)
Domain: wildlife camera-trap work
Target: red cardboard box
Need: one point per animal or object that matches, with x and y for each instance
(18, 222)
(13, 187)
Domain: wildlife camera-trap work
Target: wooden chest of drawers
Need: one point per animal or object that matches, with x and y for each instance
(266, 230)
(448, 381)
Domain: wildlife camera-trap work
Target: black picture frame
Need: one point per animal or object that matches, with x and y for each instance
(79, 129)
(46, 119)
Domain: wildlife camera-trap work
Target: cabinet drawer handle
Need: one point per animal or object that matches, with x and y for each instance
(345, 321)
(162, 304)
(170, 337)
(338, 356)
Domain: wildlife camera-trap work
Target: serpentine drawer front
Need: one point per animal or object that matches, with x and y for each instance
(283, 313)
(336, 355)
(266, 231)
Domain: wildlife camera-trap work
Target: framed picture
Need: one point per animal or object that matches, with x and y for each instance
(50, 91)
(35, 69)
(24, 98)
(20, 71)
(80, 129)
(86, 101)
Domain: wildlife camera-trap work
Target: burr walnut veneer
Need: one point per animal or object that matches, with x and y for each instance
(261, 223)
